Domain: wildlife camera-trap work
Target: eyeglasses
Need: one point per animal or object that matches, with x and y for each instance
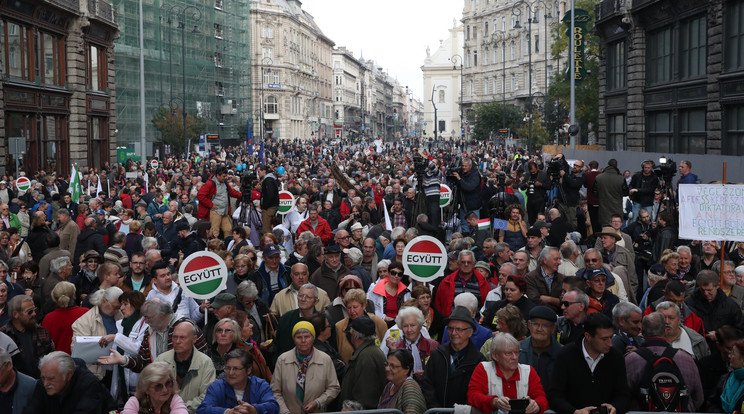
(567, 303)
(224, 331)
(588, 260)
(233, 369)
(159, 387)
(393, 366)
(396, 273)
(31, 311)
(342, 238)
(305, 297)
(541, 326)
(457, 330)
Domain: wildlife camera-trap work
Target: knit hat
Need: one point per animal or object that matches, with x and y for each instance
(303, 325)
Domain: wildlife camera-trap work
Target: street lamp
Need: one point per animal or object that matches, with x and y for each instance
(196, 16)
(455, 59)
(266, 61)
(496, 38)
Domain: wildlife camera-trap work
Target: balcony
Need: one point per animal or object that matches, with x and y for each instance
(609, 8)
(102, 10)
(69, 5)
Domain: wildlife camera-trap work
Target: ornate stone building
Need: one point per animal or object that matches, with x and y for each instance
(442, 85)
(671, 76)
(348, 92)
(57, 83)
(292, 68)
(503, 40)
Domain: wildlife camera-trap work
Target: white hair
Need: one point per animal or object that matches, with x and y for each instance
(467, 300)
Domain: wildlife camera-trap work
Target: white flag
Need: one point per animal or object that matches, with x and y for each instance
(147, 182)
(99, 189)
(388, 224)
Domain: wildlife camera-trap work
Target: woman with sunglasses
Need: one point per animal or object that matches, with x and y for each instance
(157, 392)
(388, 294)
(239, 391)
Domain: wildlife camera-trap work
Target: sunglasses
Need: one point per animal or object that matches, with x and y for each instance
(567, 303)
(31, 311)
(395, 273)
(160, 387)
(591, 260)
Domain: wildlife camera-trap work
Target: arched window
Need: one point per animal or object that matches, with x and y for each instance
(512, 50)
(441, 96)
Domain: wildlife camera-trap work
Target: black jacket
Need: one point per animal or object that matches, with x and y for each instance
(645, 184)
(88, 239)
(571, 186)
(269, 192)
(722, 311)
(574, 386)
(443, 388)
(470, 189)
(37, 241)
(85, 395)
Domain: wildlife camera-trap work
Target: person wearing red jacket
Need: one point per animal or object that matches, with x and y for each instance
(316, 225)
(214, 202)
(466, 279)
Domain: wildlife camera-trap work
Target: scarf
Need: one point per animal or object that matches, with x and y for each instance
(304, 361)
(91, 276)
(389, 396)
(127, 324)
(733, 390)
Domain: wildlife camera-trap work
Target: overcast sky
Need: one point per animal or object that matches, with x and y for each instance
(395, 33)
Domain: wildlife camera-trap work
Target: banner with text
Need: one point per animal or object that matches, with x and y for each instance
(711, 212)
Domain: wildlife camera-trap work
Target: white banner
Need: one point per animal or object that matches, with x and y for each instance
(711, 212)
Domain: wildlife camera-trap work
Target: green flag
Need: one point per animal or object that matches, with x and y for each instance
(75, 189)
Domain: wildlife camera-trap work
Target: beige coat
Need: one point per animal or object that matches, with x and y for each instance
(320, 382)
(200, 375)
(91, 324)
(284, 302)
(68, 235)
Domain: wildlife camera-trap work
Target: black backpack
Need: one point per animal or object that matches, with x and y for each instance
(663, 387)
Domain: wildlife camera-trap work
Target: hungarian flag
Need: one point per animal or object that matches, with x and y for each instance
(76, 190)
(483, 224)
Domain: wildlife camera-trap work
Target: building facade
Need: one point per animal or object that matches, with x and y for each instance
(507, 51)
(292, 63)
(348, 81)
(672, 76)
(194, 61)
(442, 87)
(58, 88)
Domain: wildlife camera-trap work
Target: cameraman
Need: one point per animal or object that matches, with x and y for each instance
(571, 183)
(469, 182)
(642, 186)
(269, 197)
(535, 182)
(432, 180)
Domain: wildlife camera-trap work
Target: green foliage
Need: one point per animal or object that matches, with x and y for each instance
(170, 124)
(489, 118)
(587, 94)
(540, 135)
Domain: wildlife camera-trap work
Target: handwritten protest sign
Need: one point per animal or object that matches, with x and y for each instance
(711, 212)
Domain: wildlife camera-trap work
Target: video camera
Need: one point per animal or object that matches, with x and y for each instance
(665, 169)
(247, 181)
(455, 166)
(419, 165)
(555, 166)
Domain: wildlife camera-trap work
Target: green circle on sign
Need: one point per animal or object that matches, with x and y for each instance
(202, 275)
(424, 258)
(23, 183)
(286, 202)
(445, 195)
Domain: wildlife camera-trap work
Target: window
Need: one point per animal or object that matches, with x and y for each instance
(616, 133)
(98, 145)
(693, 48)
(441, 96)
(219, 89)
(616, 66)
(691, 132)
(733, 126)
(470, 88)
(271, 76)
(271, 106)
(475, 58)
(32, 54)
(503, 24)
(660, 132)
(513, 21)
(513, 84)
(442, 126)
(486, 85)
(495, 53)
(218, 31)
(512, 50)
(467, 36)
(485, 56)
(495, 85)
(267, 52)
(659, 56)
(733, 35)
(97, 79)
(218, 4)
(485, 29)
(218, 59)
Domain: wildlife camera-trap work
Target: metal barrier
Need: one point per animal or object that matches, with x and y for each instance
(439, 410)
(375, 411)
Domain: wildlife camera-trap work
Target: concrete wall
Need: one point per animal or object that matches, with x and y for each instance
(707, 167)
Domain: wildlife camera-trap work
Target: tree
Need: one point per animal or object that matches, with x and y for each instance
(489, 118)
(540, 135)
(170, 124)
(587, 94)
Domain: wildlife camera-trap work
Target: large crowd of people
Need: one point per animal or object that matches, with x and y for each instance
(581, 294)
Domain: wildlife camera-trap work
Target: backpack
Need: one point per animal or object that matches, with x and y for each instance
(663, 387)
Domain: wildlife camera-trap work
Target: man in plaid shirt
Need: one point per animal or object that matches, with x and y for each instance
(33, 340)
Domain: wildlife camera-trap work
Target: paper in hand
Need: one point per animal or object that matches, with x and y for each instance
(88, 349)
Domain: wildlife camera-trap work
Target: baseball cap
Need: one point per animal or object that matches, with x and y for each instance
(270, 250)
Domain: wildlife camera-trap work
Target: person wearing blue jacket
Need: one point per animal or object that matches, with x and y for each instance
(239, 391)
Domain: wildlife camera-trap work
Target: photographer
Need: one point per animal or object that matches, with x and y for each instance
(571, 183)
(536, 182)
(214, 202)
(642, 186)
(432, 180)
(469, 181)
(269, 196)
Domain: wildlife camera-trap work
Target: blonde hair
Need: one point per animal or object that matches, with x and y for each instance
(63, 294)
(152, 373)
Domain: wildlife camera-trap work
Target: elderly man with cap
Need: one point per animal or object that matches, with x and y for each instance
(545, 282)
(141, 213)
(365, 376)
(304, 379)
(66, 388)
(540, 349)
(533, 247)
(271, 276)
(451, 364)
(221, 306)
(357, 235)
(68, 230)
(600, 298)
(618, 256)
(330, 271)
(187, 243)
